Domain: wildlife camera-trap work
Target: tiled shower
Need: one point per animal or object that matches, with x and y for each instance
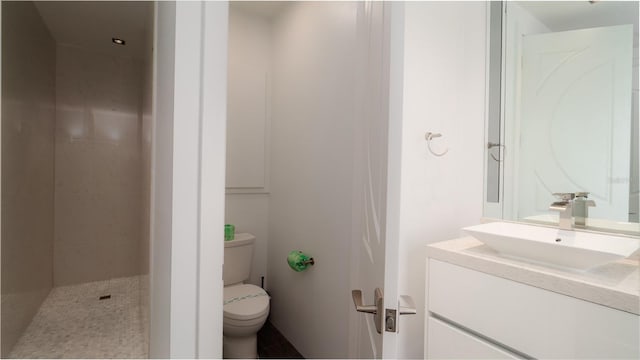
(76, 144)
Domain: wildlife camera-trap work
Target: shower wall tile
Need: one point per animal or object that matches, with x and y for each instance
(145, 141)
(28, 118)
(98, 174)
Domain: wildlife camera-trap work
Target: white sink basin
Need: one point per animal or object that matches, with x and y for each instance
(592, 224)
(569, 249)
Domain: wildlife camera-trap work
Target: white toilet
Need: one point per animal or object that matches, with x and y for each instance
(246, 306)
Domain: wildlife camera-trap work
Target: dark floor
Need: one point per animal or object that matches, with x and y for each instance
(271, 344)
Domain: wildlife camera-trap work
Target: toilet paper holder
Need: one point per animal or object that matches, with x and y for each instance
(299, 261)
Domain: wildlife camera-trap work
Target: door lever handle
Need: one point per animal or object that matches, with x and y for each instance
(406, 306)
(357, 300)
(377, 310)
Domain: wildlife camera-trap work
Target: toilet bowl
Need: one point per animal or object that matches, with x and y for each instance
(246, 306)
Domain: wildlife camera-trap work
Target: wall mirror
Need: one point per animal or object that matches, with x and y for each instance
(563, 111)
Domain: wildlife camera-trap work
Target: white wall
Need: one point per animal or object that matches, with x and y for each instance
(248, 105)
(311, 174)
(444, 92)
(248, 136)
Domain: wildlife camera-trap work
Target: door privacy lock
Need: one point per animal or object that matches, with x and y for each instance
(390, 320)
(406, 306)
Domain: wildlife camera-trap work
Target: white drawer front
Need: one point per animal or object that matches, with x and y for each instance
(536, 322)
(447, 342)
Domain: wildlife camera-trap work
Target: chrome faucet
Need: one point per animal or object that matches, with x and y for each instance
(564, 206)
(581, 208)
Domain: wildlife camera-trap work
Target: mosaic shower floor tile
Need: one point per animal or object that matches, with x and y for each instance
(74, 323)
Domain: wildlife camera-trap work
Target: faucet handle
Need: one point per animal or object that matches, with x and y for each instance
(564, 196)
(584, 196)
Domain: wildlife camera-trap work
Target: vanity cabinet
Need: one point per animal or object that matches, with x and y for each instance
(448, 341)
(472, 314)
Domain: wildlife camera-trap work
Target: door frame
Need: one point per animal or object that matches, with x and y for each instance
(394, 170)
(188, 179)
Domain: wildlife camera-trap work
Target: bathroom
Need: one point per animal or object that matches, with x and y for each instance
(315, 151)
(277, 218)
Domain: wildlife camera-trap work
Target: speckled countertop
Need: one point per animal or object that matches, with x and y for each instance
(616, 285)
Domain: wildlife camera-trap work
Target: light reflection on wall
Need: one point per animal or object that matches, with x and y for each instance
(98, 166)
(98, 125)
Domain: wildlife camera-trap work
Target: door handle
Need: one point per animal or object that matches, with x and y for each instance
(406, 305)
(377, 309)
(357, 300)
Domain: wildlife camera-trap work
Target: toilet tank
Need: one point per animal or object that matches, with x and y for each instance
(238, 255)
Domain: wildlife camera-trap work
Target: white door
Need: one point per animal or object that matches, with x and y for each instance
(574, 120)
(374, 259)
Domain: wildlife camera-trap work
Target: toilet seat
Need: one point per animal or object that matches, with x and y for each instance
(245, 302)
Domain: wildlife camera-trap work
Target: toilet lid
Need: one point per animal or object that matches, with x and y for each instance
(245, 301)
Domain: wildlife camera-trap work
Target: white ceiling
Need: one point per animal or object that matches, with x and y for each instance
(92, 24)
(571, 15)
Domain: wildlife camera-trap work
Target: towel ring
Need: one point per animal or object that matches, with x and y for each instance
(430, 136)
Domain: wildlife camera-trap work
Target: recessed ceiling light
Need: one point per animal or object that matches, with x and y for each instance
(118, 41)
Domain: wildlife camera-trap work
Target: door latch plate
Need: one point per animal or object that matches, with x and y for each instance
(390, 320)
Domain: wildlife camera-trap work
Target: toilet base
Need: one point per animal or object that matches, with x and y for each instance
(242, 347)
